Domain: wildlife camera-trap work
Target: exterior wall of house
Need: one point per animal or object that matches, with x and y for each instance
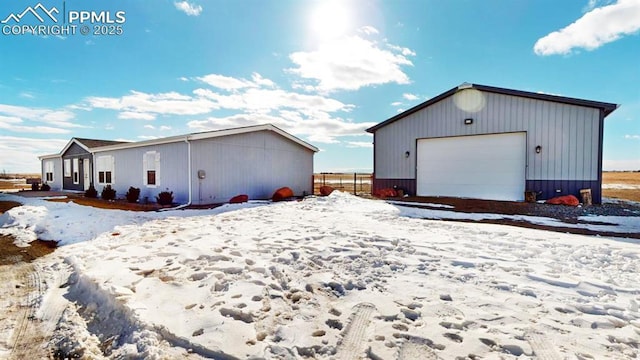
(128, 170)
(56, 162)
(75, 152)
(569, 135)
(254, 163)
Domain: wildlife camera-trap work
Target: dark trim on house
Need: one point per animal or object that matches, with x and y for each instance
(373, 175)
(600, 146)
(605, 108)
(546, 189)
(408, 185)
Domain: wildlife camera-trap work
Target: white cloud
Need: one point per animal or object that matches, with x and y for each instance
(150, 127)
(349, 63)
(139, 105)
(368, 30)
(147, 137)
(397, 103)
(20, 154)
(403, 50)
(597, 27)
(232, 84)
(27, 95)
(182, 78)
(188, 8)
(132, 115)
(270, 99)
(632, 137)
(410, 97)
(359, 144)
(226, 82)
(40, 120)
(165, 128)
(320, 127)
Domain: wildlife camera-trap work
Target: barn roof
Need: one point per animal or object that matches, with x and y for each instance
(607, 108)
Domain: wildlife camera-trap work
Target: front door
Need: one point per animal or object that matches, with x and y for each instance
(87, 173)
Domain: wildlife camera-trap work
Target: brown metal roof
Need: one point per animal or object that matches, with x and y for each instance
(94, 143)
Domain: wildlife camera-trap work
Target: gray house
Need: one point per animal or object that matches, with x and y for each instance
(484, 142)
(71, 169)
(200, 168)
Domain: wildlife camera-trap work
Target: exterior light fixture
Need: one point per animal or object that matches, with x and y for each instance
(468, 121)
(407, 153)
(538, 149)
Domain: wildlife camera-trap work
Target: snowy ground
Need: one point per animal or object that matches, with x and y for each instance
(337, 277)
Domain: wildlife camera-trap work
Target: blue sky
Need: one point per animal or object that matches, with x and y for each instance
(322, 70)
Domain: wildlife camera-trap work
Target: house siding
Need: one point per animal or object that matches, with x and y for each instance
(128, 171)
(56, 184)
(568, 134)
(76, 152)
(255, 164)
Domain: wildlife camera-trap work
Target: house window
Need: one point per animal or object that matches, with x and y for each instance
(151, 168)
(151, 177)
(105, 166)
(76, 171)
(48, 171)
(67, 167)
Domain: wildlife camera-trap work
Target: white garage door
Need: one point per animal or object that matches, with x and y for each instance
(480, 166)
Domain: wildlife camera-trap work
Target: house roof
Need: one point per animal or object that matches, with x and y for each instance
(207, 135)
(608, 108)
(94, 143)
(86, 144)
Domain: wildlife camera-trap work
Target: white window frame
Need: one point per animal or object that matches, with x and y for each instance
(49, 170)
(76, 171)
(67, 167)
(151, 162)
(105, 164)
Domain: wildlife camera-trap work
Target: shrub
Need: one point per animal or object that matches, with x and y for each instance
(133, 194)
(108, 193)
(165, 198)
(91, 192)
(35, 186)
(45, 187)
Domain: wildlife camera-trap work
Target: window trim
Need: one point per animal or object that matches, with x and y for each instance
(76, 171)
(105, 164)
(49, 170)
(67, 167)
(155, 167)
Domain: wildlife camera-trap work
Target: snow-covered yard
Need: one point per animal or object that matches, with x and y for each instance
(338, 277)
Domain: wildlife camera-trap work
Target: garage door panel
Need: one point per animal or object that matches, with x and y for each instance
(480, 166)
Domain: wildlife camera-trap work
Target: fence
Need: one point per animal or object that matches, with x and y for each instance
(355, 183)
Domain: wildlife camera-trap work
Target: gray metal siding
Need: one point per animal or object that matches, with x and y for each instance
(56, 184)
(567, 133)
(128, 171)
(255, 164)
(75, 149)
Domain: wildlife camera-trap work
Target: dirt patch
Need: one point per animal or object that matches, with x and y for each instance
(7, 205)
(12, 254)
(104, 204)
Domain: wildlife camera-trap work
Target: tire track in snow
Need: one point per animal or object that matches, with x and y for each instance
(28, 340)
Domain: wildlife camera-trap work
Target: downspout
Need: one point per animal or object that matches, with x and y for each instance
(186, 139)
